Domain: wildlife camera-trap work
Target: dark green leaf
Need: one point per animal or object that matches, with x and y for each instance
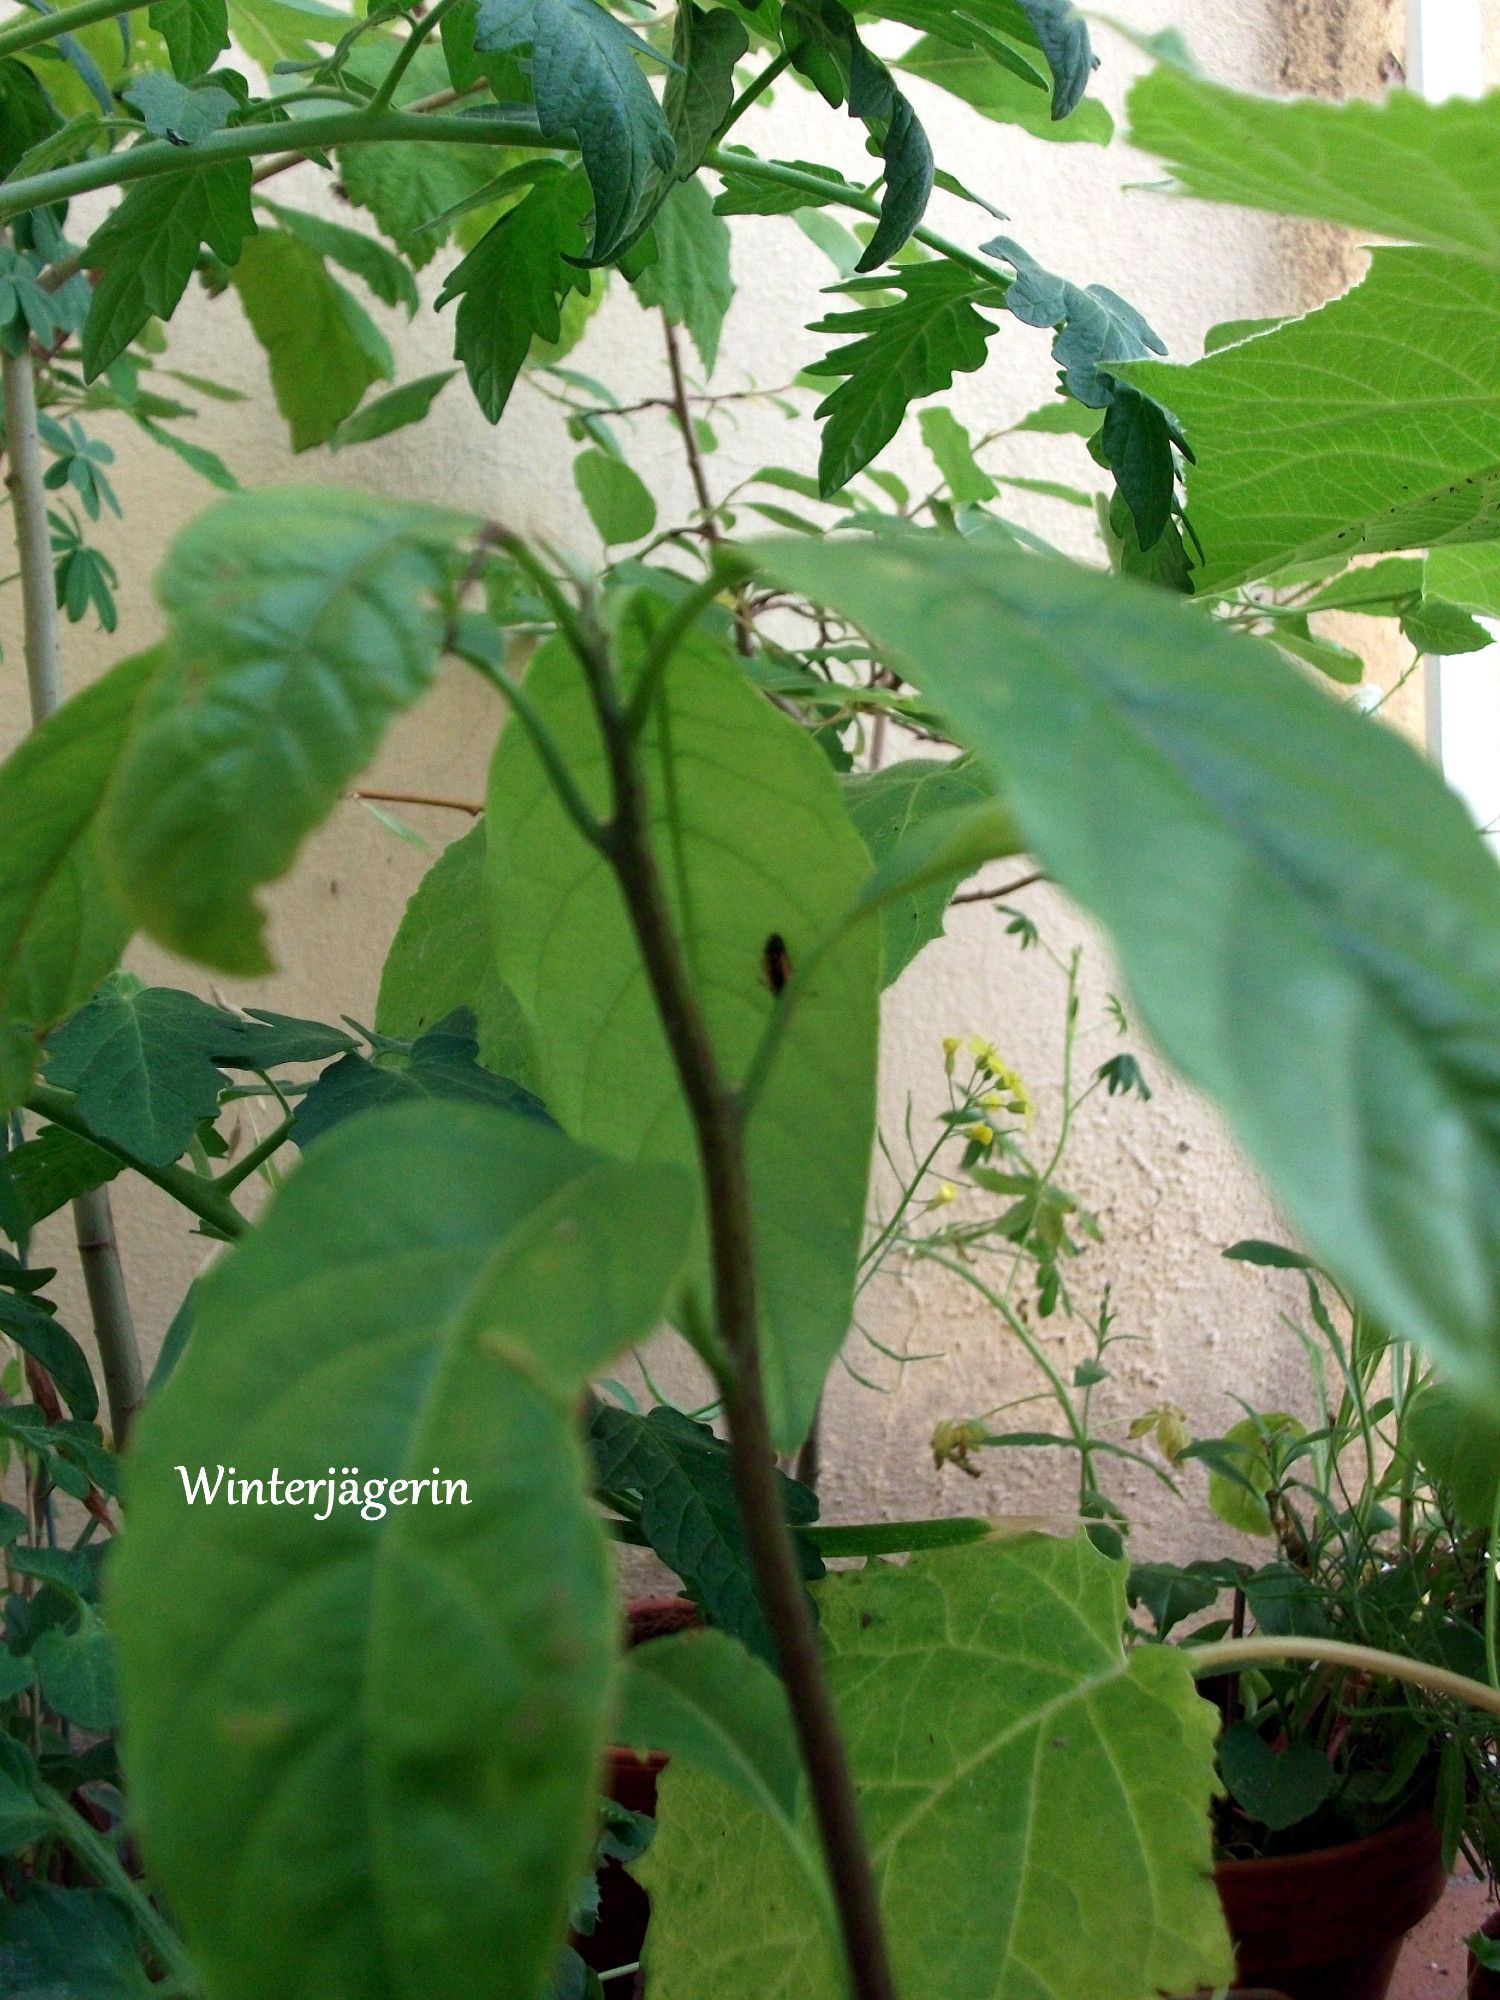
(139, 1059)
(688, 277)
(196, 33)
(707, 44)
(145, 251)
(898, 350)
(37, 1332)
(300, 622)
(27, 116)
(1002, 92)
(440, 1064)
(590, 87)
(47, 1172)
(404, 405)
(407, 186)
(444, 1314)
(75, 1671)
(69, 1944)
(885, 806)
(1276, 1787)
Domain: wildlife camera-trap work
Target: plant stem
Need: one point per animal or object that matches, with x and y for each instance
(257, 1156)
(199, 1196)
(244, 142)
(718, 1123)
(420, 31)
(100, 1859)
(1227, 1656)
(33, 28)
(93, 1221)
(684, 418)
(1492, 1592)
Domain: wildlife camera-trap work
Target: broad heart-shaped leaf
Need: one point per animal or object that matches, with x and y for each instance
(300, 621)
(441, 959)
(885, 806)
(1308, 922)
(404, 1715)
(681, 1474)
(590, 87)
(323, 347)
(688, 277)
(1376, 425)
(897, 351)
(1277, 1787)
(512, 285)
(61, 926)
(1035, 1799)
(196, 33)
(738, 802)
(1401, 166)
(146, 249)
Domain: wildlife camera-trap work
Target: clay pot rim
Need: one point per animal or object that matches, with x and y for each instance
(1399, 1834)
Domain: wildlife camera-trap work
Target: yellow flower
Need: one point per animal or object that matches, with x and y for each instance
(946, 1192)
(981, 1134)
(951, 1046)
(992, 1101)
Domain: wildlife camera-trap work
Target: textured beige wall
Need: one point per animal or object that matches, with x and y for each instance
(1164, 1182)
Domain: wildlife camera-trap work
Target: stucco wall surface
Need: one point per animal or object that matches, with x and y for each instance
(1161, 1177)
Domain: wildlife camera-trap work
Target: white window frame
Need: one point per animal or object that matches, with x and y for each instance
(1445, 58)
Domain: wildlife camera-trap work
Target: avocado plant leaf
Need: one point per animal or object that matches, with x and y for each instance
(1308, 923)
(301, 620)
(707, 43)
(512, 285)
(1400, 165)
(688, 277)
(589, 87)
(196, 33)
(680, 1472)
(440, 1063)
(885, 805)
(750, 797)
(1018, 1698)
(896, 351)
(1377, 423)
(62, 928)
(445, 1315)
(323, 348)
(146, 249)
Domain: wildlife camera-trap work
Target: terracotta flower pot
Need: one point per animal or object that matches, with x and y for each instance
(1330, 1925)
(1485, 1985)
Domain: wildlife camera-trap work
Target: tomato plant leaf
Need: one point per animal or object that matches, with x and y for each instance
(398, 408)
(444, 1316)
(324, 349)
(387, 275)
(1011, 95)
(196, 33)
(407, 186)
(69, 1942)
(707, 43)
(688, 275)
(1308, 922)
(33, 1326)
(440, 1063)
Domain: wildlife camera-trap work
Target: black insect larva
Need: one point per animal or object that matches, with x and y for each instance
(775, 962)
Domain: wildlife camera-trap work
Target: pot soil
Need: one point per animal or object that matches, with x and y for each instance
(1330, 1925)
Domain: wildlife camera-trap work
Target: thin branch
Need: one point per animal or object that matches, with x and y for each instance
(469, 806)
(257, 1156)
(1005, 889)
(685, 425)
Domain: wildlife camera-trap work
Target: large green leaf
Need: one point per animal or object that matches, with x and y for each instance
(300, 622)
(408, 186)
(386, 274)
(440, 1063)
(196, 33)
(1428, 173)
(700, 1697)
(1035, 1798)
(143, 1062)
(1308, 920)
(590, 87)
(512, 285)
(323, 347)
(885, 806)
(146, 250)
(1372, 424)
(744, 800)
(897, 351)
(403, 1715)
(61, 926)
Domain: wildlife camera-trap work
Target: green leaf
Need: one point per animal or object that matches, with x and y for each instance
(141, 1061)
(1309, 926)
(748, 194)
(145, 251)
(1015, 1646)
(323, 347)
(387, 276)
(1404, 167)
(885, 806)
(196, 33)
(1276, 1787)
(689, 1514)
(1240, 1474)
(688, 278)
(174, 111)
(512, 284)
(406, 186)
(997, 92)
(69, 1944)
(49, 1171)
(952, 447)
(36, 1331)
(1457, 1444)
(27, 117)
(707, 43)
(23, 1819)
(618, 500)
(898, 351)
(751, 797)
(703, 1699)
(300, 622)
(61, 926)
(1377, 423)
(441, 958)
(590, 87)
(394, 411)
(75, 1670)
(444, 1315)
(440, 1064)
(1028, 37)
